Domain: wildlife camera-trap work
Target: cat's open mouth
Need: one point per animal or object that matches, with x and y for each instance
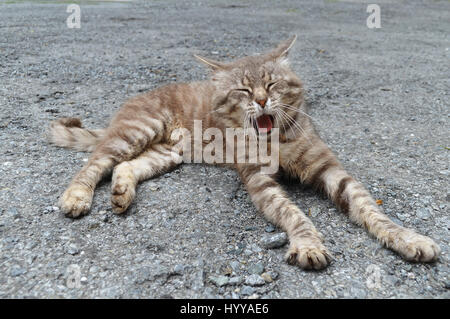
(263, 124)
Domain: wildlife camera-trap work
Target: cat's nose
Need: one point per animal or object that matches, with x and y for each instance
(262, 102)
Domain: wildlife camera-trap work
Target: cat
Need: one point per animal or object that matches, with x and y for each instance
(261, 92)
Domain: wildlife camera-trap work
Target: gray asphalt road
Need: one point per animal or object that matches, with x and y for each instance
(379, 98)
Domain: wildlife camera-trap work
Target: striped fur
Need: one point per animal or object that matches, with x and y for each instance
(69, 133)
(158, 159)
(316, 164)
(137, 146)
(306, 248)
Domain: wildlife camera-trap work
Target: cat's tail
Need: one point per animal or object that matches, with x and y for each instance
(68, 132)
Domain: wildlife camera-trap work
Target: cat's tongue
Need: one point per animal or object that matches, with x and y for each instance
(264, 123)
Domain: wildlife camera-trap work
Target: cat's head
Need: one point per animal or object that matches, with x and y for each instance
(257, 91)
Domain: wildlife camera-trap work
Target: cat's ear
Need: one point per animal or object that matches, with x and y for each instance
(282, 50)
(214, 65)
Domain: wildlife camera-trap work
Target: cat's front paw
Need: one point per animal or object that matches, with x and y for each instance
(415, 247)
(308, 255)
(76, 200)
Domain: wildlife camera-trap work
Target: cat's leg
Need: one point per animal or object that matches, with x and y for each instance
(157, 160)
(124, 140)
(317, 165)
(306, 248)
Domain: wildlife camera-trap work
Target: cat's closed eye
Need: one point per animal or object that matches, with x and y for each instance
(271, 85)
(243, 90)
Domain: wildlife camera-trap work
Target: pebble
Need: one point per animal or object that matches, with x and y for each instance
(197, 280)
(314, 211)
(239, 249)
(13, 212)
(247, 291)
(254, 280)
(149, 273)
(50, 209)
(227, 271)
(390, 279)
(234, 281)
(17, 271)
(30, 245)
(274, 241)
(103, 216)
(411, 275)
(358, 293)
(267, 278)
(110, 292)
(255, 248)
(219, 281)
(153, 187)
(269, 228)
(402, 217)
(423, 213)
(72, 249)
(257, 269)
(273, 274)
(235, 265)
(178, 269)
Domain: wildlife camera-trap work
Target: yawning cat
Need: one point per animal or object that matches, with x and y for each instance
(259, 94)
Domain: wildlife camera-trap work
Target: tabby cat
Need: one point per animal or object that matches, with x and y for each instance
(261, 92)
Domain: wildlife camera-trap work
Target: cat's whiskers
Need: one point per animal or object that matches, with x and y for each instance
(217, 110)
(290, 107)
(285, 119)
(252, 126)
(288, 117)
(295, 124)
(279, 119)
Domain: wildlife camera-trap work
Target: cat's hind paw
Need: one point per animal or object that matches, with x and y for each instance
(122, 194)
(76, 201)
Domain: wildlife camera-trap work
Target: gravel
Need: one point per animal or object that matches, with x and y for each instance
(267, 277)
(423, 213)
(219, 280)
(274, 241)
(379, 98)
(269, 228)
(17, 271)
(235, 266)
(72, 249)
(254, 280)
(257, 269)
(247, 291)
